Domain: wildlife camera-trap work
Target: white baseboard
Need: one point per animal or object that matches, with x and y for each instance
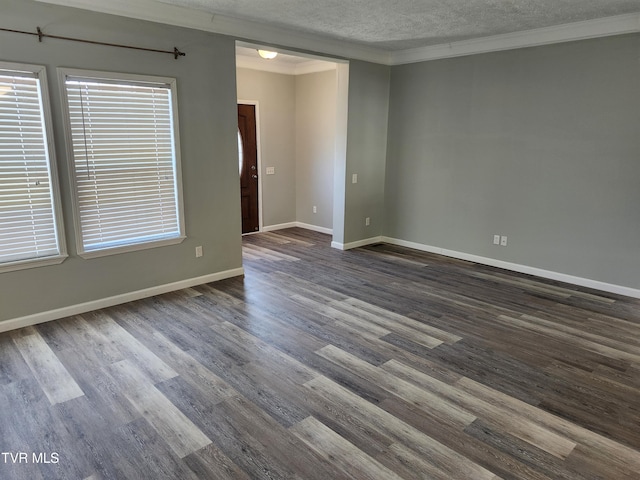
(356, 244)
(280, 226)
(307, 226)
(538, 272)
(315, 228)
(115, 300)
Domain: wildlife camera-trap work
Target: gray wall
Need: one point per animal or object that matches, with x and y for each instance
(276, 96)
(539, 144)
(366, 150)
(315, 147)
(208, 122)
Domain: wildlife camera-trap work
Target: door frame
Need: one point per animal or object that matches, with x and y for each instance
(256, 105)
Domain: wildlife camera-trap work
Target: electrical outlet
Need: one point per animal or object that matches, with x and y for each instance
(315, 209)
(503, 240)
(354, 178)
(367, 221)
(198, 251)
(496, 239)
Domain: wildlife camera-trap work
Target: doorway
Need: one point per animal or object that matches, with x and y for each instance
(248, 168)
(301, 110)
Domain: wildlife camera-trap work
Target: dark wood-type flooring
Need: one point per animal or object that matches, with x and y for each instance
(376, 363)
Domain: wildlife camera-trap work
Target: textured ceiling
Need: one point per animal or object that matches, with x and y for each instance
(402, 24)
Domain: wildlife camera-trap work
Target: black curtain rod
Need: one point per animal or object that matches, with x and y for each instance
(40, 34)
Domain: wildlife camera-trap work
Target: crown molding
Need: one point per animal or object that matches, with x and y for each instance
(241, 29)
(602, 27)
(277, 37)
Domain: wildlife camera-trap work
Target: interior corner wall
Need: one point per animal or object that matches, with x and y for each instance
(275, 94)
(208, 123)
(315, 147)
(367, 123)
(538, 144)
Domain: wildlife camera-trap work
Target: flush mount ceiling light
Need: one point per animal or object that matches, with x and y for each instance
(267, 54)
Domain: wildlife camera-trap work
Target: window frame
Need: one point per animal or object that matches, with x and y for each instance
(40, 73)
(121, 78)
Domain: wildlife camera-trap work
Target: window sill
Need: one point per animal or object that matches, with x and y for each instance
(32, 263)
(131, 248)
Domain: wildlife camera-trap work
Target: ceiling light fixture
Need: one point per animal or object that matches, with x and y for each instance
(267, 54)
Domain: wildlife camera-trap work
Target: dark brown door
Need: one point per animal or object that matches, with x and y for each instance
(248, 164)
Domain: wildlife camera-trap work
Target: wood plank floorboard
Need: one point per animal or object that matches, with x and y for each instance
(377, 363)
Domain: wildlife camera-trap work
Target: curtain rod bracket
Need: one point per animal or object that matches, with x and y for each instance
(177, 53)
(40, 34)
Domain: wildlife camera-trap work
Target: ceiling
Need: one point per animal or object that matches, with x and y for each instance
(403, 24)
(387, 31)
(285, 63)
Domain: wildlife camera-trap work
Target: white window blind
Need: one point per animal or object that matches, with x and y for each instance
(28, 222)
(125, 165)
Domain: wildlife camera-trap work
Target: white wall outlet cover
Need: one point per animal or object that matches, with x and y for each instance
(496, 239)
(503, 241)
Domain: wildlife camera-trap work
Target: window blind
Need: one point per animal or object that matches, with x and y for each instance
(124, 162)
(27, 217)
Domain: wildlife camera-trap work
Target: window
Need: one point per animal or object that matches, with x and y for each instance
(30, 220)
(122, 130)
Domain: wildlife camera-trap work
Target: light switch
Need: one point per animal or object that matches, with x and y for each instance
(271, 170)
(354, 178)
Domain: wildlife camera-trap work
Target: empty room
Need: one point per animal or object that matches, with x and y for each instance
(319, 240)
